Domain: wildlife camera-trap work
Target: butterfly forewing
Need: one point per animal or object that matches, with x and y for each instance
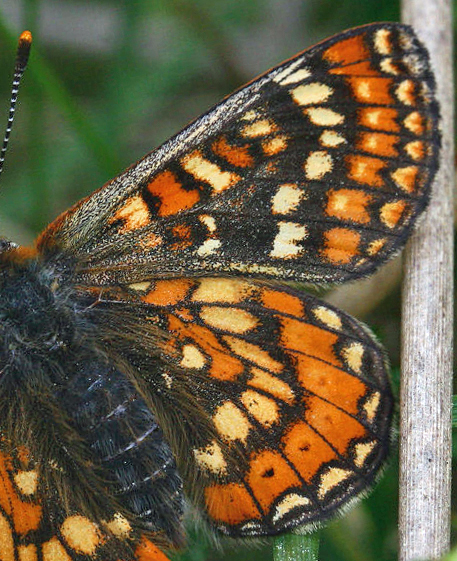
(314, 171)
(137, 322)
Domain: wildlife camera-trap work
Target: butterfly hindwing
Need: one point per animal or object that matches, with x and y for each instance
(294, 395)
(314, 171)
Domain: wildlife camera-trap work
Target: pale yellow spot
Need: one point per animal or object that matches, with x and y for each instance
(255, 268)
(250, 115)
(288, 503)
(297, 76)
(324, 117)
(211, 458)
(332, 478)
(262, 408)
(231, 423)
(353, 355)
(81, 535)
(382, 41)
(405, 92)
(208, 221)
(415, 150)
(363, 90)
(208, 247)
(274, 145)
(371, 405)
(405, 178)
(281, 76)
(6, 541)
(287, 198)
(374, 117)
(329, 317)
(272, 385)
(318, 164)
(253, 353)
(192, 357)
(27, 481)
(134, 213)
(285, 243)
(331, 139)
(311, 94)
(119, 526)
(413, 122)
(375, 246)
(53, 550)
(167, 379)
(223, 290)
(388, 66)
(140, 286)
(263, 127)
(204, 170)
(27, 553)
(228, 319)
(362, 451)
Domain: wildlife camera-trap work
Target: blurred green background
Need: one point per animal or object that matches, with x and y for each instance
(110, 80)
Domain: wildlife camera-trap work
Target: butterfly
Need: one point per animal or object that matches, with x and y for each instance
(152, 360)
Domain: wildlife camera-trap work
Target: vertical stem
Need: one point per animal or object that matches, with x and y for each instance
(295, 547)
(425, 441)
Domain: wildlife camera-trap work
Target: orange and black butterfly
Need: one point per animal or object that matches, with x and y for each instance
(151, 362)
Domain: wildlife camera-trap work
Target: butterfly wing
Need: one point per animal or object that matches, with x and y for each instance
(314, 171)
(34, 524)
(277, 405)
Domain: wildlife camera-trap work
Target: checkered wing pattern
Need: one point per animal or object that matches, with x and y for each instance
(314, 172)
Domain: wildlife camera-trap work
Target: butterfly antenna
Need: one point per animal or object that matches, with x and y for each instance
(22, 56)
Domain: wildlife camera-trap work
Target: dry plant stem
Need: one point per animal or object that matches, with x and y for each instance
(425, 426)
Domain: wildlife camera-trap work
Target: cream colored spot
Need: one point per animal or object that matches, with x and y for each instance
(274, 145)
(262, 408)
(204, 170)
(283, 74)
(295, 77)
(375, 246)
(324, 117)
(53, 550)
(363, 90)
(208, 221)
(231, 423)
(405, 178)
(140, 286)
(211, 458)
(415, 150)
(311, 94)
(82, 535)
(6, 541)
(253, 353)
(192, 357)
(134, 213)
(318, 164)
(362, 451)
(252, 268)
(208, 247)
(259, 128)
(223, 290)
(27, 553)
(230, 319)
(285, 243)
(287, 198)
(27, 481)
(374, 117)
(332, 478)
(388, 66)
(288, 503)
(405, 92)
(119, 526)
(353, 355)
(382, 42)
(327, 316)
(371, 405)
(413, 122)
(331, 139)
(272, 385)
(250, 115)
(168, 379)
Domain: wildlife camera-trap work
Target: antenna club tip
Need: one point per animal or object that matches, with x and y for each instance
(25, 38)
